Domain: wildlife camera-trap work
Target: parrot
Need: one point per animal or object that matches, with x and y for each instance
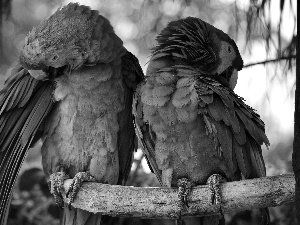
(193, 128)
(72, 88)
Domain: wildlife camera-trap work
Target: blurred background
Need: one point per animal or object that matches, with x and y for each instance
(264, 30)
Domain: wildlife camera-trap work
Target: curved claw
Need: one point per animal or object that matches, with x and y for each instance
(214, 185)
(74, 187)
(56, 186)
(184, 188)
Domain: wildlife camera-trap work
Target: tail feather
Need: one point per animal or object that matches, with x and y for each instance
(206, 220)
(76, 216)
(265, 215)
(79, 217)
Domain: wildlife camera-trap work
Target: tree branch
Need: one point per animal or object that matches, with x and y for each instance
(124, 201)
(271, 61)
(296, 144)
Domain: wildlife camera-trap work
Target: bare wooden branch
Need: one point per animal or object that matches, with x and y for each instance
(124, 201)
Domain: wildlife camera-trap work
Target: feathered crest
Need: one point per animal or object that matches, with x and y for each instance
(74, 35)
(67, 23)
(188, 39)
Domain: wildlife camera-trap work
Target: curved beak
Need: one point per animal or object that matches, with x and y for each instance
(28, 64)
(238, 63)
(38, 74)
(233, 79)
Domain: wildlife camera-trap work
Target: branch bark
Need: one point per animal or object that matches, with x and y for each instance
(125, 201)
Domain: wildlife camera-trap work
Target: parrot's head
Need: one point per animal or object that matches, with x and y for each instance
(36, 55)
(72, 37)
(198, 44)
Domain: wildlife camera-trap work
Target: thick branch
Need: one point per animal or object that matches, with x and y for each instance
(270, 61)
(162, 202)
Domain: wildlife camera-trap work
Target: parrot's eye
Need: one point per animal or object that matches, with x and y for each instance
(26, 41)
(55, 57)
(229, 49)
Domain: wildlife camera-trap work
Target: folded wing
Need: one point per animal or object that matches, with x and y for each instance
(237, 128)
(24, 104)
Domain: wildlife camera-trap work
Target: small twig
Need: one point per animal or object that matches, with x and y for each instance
(271, 61)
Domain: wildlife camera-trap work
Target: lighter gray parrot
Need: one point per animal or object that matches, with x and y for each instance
(73, 87)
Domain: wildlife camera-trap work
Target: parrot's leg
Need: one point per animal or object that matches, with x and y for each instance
(184, 188)
(56, 186)
(77, 181)
(214, 185)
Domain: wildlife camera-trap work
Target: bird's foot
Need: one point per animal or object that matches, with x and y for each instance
(179, 222)
(76, 184)
(184, 188)
(214, 185)
(56, 187)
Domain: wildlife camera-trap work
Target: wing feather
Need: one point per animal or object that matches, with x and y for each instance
(143, 131)
(216, 109)
(258, 169)
(3, 120)
(242, 160)
(31, 86)
(224, 93)
(224, 136)
(207, 98)
(10, 123)
(241, 135)
(132, 75)
(24, 104)
(22, 91)
(233, 120)
(240, 132)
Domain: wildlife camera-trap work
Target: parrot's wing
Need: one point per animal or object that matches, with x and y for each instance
(145, 134)
(24, 103)
(132, 75)
(236, 128)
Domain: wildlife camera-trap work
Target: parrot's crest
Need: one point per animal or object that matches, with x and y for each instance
(74, 35)
(195, 42)
(187, 39)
